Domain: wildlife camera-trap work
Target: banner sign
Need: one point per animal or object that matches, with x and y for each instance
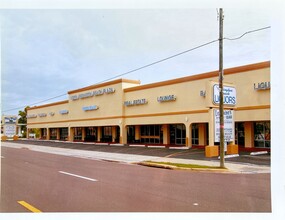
(228, 125)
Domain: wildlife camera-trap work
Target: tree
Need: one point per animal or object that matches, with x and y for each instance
(23, 120)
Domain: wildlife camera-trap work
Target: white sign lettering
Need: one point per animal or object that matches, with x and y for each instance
(63, 112)
(135, 102)
(228, 125)
(229, 95)
(92, 93)
(32, 116)
(90, 108)
(261, 86)
(166, 98)
(42, 114)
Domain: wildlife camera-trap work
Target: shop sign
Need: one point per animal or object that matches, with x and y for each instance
(166, 98)
(261, 86)
(42, 114)
(135, 102)
(93, 93)
(10, 119)
(10, 130)
(63, 112)
(32, 116)
(51, 113)
(229, 95)
(90, 108)
(228, 125)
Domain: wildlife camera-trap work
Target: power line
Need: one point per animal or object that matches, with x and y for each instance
(148, 65)
(248, 32)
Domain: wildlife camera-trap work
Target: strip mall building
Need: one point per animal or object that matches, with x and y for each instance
(176, 112)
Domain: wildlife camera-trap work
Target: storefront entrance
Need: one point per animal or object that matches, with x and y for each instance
(177, 134)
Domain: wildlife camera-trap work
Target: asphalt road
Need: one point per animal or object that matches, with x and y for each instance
(54, 183)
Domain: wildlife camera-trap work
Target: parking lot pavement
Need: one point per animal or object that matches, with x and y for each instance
(192, 153)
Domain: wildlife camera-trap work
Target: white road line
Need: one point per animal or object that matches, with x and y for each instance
(82, 177)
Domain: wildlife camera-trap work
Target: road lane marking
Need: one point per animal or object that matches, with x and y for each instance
(29, 207)
(82, 177)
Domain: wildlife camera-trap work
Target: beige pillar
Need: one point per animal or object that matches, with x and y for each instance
(57, 134)
(137, 132)
(248, 134)
(28, 132)
(202, 134)
(211, 131)
(48, 134)
(99, 134)
(83, 134)
(123, 134)
(70, 134)
(114, 133)
(188, 135)
(166, 134)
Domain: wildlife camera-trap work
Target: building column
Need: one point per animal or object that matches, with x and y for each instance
(57, 134)
(99, 134)
(188, 135)
(202, 134)
(71, 134)
(114, 133)
(83, 134)
(137, 132)
(27, 132)
(248, 134)
(123, 134)
(166, 135)
(211, 128)
(48, 134)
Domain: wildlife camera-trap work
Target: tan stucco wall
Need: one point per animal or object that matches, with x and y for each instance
(189, 106)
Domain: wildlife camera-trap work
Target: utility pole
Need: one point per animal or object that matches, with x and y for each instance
(221, 87)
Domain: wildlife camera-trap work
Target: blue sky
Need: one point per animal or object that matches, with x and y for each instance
(46, 53)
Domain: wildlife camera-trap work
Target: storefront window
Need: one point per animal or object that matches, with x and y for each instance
(195, 134)
(262, 134)
(178, 134)
(77, 134)
(107, 134)
(43, 133)
(239, 133)
(53, 133)
(91, 134)
(63, 133)
(151, 134)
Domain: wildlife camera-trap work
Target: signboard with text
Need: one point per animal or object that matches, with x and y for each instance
(228, 125)
(9, 130)
(229, 95)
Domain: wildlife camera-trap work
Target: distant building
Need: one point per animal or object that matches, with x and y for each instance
(182, 111)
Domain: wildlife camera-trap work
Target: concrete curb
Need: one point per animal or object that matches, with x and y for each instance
(171, 167)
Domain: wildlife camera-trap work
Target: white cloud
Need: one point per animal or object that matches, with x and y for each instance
(49, 52)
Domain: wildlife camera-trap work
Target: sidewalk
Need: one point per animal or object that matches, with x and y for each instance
(134, 158)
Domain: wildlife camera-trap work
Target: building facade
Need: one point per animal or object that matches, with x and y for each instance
(178, 112)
